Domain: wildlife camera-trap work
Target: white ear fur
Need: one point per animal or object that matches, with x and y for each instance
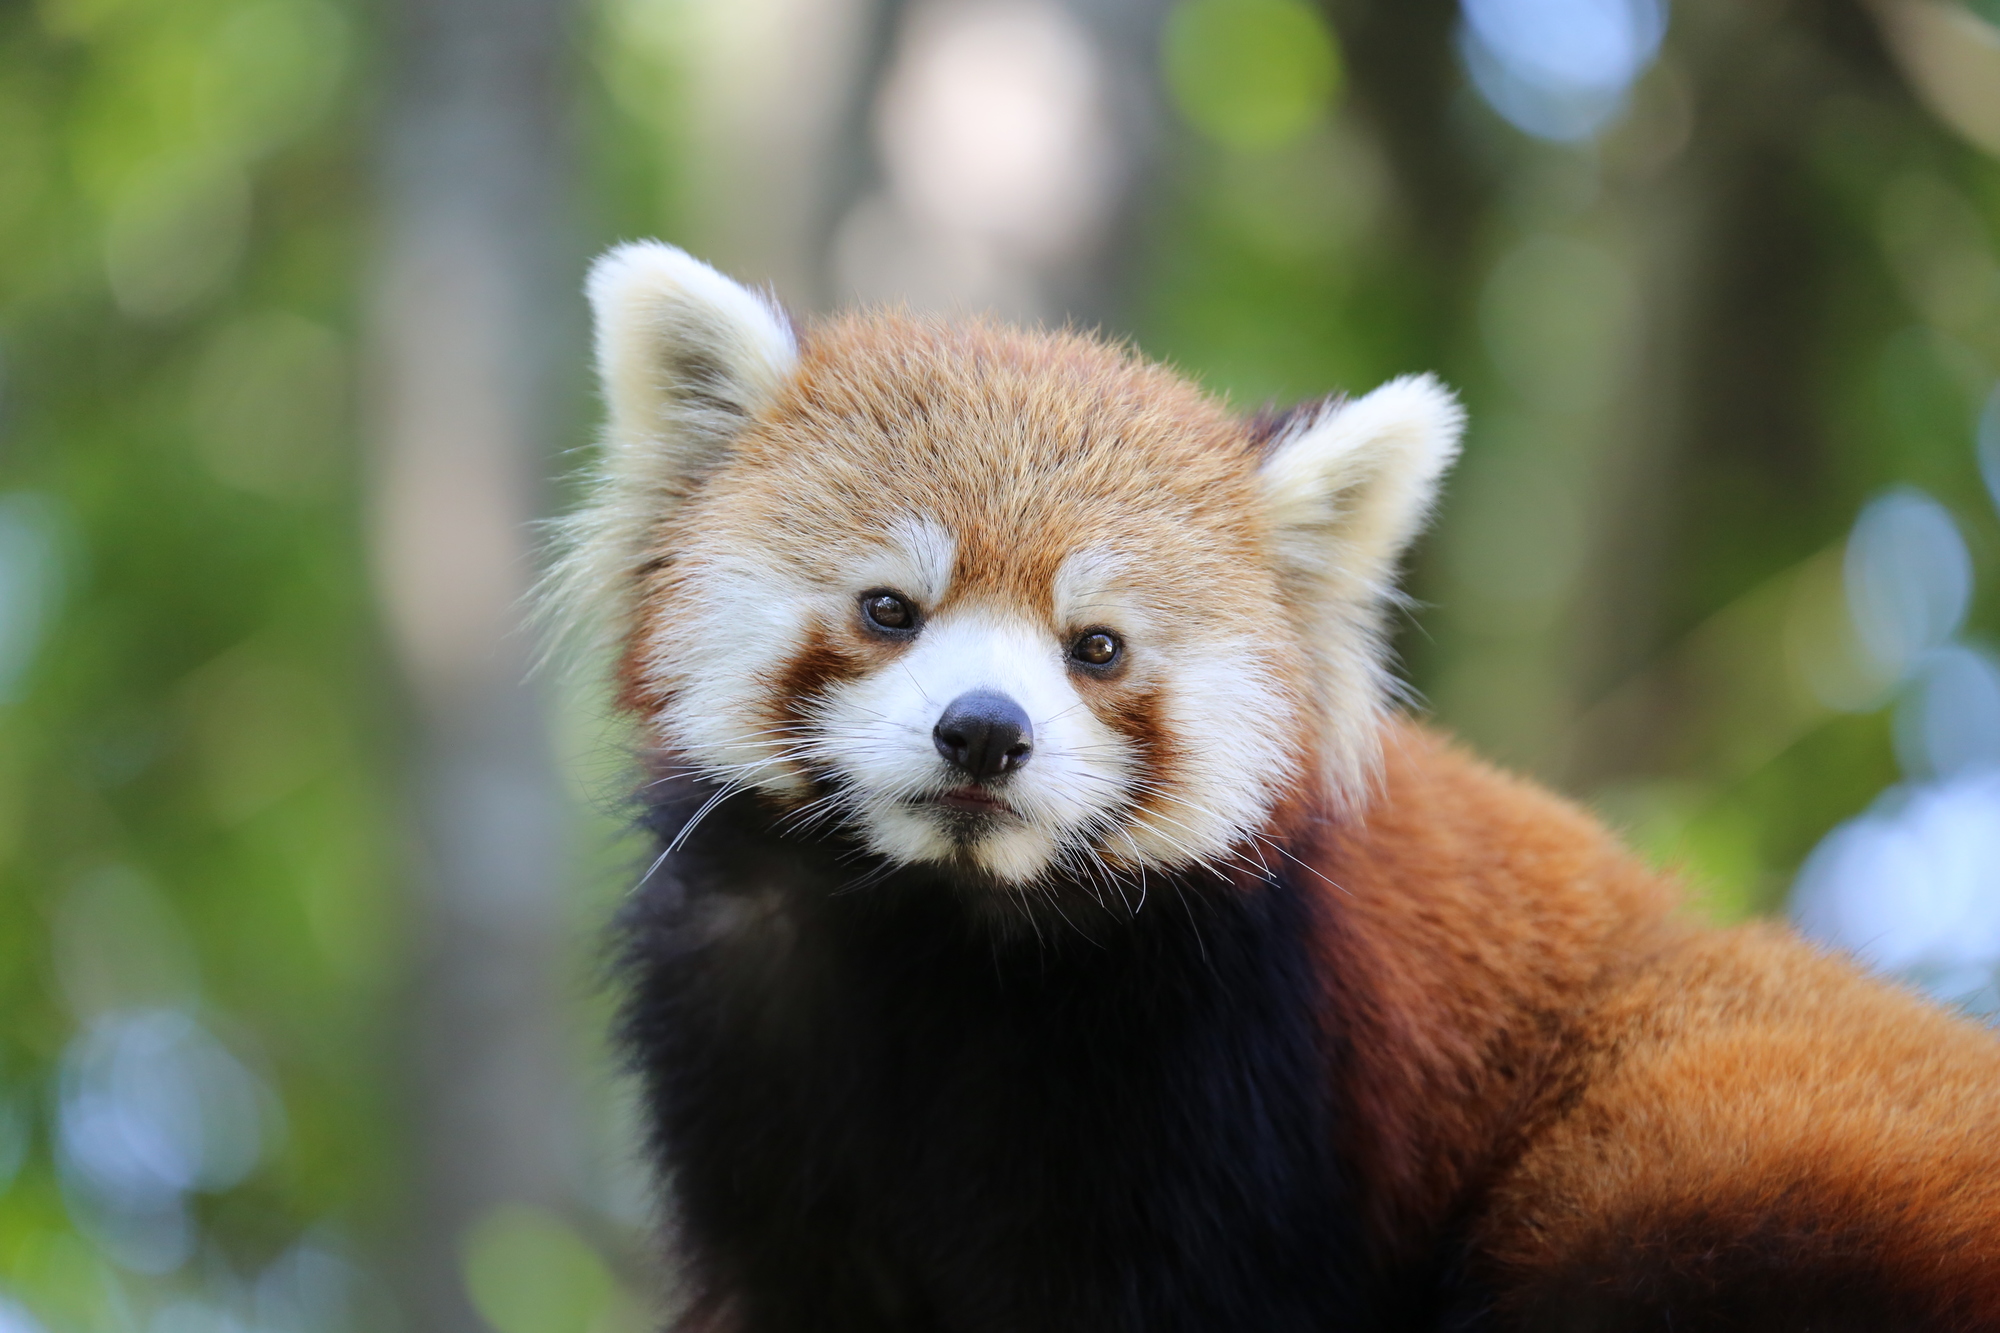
(686, 359)
(1349, 486)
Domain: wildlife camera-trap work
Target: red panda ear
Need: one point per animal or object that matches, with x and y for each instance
(1348, 486)
(686, 359)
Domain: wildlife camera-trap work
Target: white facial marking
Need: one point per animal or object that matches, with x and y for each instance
(878, 733)
(916, 561)
(750, 614)
(1087, 591)
(1222, 705)
(746, 615)
(1230, 717)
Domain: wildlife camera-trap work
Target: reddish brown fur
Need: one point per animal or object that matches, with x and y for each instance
(1653, 1108)
(1137, 716)
(821, 661)
(640, 693)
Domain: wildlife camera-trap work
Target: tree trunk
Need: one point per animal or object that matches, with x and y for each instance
(470, 306)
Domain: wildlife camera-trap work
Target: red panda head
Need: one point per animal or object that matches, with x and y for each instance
(1017, 603)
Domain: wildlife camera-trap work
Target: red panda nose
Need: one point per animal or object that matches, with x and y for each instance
(984, 734)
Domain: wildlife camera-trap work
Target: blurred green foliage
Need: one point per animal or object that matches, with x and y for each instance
(529, 1272)
(1633, 591)
(197, 787)
(1691, 350)
(1250, 73)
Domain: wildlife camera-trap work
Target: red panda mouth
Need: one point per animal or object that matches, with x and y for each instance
(973, 801)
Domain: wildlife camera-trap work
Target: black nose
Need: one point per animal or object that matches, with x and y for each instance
(984, 734)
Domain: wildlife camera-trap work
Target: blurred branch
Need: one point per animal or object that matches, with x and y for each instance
(474, 267)
(852, 168)
(1724, 416)
(873, 236)
(1403, 73)
(1095, 289)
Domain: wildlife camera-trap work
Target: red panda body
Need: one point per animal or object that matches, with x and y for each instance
(1663, 1126)
(1053, 929)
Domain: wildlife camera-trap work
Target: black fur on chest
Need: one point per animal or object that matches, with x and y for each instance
(874, 1111)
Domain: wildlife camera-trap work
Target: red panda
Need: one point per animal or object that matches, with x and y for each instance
(1055, 926)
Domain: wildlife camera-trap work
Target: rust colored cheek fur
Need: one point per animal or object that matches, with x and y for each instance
(640, 693)
(636, 695)
(1140, 717)
(821, 662)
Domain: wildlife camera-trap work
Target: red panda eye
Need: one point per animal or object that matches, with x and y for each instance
(886, 610)
(1099, 648)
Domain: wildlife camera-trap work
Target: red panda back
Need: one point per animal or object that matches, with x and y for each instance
(1479, 920)
(1761, 1116)
(1644, 1116)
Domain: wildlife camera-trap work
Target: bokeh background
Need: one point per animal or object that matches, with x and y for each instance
(303, 872)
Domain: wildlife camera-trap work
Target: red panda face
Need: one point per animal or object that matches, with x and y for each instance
(1018, 604)
(984, 600)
